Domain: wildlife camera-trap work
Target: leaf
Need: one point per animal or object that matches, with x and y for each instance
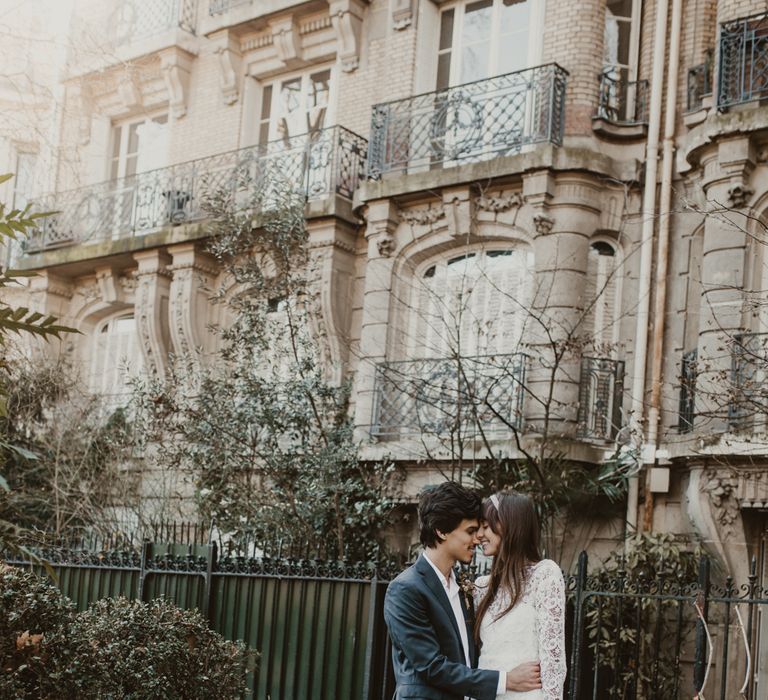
(5, 177)
(22, 452)
(4, 484)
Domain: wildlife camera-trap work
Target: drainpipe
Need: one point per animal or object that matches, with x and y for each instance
(662, 252)
(646, 251)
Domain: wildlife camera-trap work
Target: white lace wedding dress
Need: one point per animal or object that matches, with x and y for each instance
(534, 630)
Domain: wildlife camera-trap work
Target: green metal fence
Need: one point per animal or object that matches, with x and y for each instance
(317, 625)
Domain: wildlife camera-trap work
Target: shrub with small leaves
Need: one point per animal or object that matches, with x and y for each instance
(33, 618)
(131, 649)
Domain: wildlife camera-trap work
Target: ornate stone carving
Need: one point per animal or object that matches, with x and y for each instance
(459, 209)
(129, 90)
(499, 203)
(385, 245)
(151, 308)
(90, 292)
(402, 14)
(421, 216)
(721, 487)
(175, 64)
(739, 194)
(128, 283)
(347, 19)
(543, 224)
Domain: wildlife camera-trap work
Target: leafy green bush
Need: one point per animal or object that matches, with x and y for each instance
(130, 649)
(33, 618)
(115, 649)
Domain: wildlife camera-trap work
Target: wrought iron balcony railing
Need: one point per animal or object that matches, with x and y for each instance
(743, 72)
(330, 161)
(440, 397)
(748, 400)
(699, 84)
(687, 409)
(468, 122)
(622, 101)
(600, 397)
(139, 19)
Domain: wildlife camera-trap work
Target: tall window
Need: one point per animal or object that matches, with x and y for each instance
(471, 304)
(295, 106)
(139, 146)
(115, 358)
(602, 297)
(484, 38)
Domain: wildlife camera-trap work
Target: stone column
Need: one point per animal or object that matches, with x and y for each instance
(49, 294)
(193, 271)
(726, 173)
(564, 212)
(380, 235)
(152, 294)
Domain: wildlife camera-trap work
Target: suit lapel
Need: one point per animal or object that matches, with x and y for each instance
(468, 610)
(438, 590)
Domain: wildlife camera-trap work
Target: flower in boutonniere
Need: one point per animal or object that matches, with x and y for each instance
(467, 587)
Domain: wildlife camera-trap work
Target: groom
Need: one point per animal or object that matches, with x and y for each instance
(433, 650)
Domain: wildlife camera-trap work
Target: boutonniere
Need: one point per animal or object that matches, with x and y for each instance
(467, 587)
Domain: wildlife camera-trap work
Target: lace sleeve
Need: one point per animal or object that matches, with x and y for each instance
(549, 602)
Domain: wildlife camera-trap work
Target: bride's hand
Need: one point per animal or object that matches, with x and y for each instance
(524, 677)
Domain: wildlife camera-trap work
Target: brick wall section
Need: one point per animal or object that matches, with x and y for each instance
(573, 37)
(728, 10)
(386, 71)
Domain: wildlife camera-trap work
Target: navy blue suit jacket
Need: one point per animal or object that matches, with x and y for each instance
(427, 653)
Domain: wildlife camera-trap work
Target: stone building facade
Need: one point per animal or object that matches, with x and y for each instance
(487, 180)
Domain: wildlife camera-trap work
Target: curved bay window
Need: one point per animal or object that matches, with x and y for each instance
(115, 359)
(464, 370)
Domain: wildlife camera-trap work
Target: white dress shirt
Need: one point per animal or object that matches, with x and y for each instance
(451, 588)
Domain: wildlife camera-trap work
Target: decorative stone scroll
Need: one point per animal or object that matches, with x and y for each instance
(402, 14)
(347, 20)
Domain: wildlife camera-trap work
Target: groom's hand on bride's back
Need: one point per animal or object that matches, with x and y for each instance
(524, 677)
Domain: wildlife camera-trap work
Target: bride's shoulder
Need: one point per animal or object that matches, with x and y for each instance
(482, 581)
(546, 568)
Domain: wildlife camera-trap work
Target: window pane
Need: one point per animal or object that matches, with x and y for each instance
(477, 21)
(266, 102)
(474, 62)
(514, 17)
(619, 8)
(446, 30)
(133, 138)
(24, 180)
(290, 96)
(443, 71)
(319, 87)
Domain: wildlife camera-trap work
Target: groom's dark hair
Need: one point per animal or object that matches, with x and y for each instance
(443, 508)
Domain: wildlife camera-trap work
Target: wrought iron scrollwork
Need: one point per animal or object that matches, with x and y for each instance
(743, 68)
(600, 397)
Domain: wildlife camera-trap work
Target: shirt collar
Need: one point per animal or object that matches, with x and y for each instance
(451, 578)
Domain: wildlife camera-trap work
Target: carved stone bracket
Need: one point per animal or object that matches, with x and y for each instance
(287, 41)
(382, 224)
(459, 211)
(347, 20)
(228, 53)
(543, 224)
(402, 14)
(175, 64)
(151, 308)
(129, 89)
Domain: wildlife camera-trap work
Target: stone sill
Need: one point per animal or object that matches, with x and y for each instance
(616, 131)
(544, 156)
(413, 448)
(78, 258)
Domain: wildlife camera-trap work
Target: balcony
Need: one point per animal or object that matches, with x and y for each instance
(622, 108)
(328, 162)
(748, 396)
(743, 67)
(600, 398)
(135, 20)
(468, 123)
(442, 397)
(217, 7)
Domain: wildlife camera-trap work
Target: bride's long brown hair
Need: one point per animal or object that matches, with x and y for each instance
(516, 523)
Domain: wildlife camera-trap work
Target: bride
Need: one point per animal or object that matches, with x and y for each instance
(521, 604)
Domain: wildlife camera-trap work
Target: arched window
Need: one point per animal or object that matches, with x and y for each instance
(471, 304)
(602, 296)
(115, 358)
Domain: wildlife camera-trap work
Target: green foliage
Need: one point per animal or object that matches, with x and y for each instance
(262, 431)
(33, 614)
(62, 456)
(115, 649)
(625, 646)
(130, 649)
